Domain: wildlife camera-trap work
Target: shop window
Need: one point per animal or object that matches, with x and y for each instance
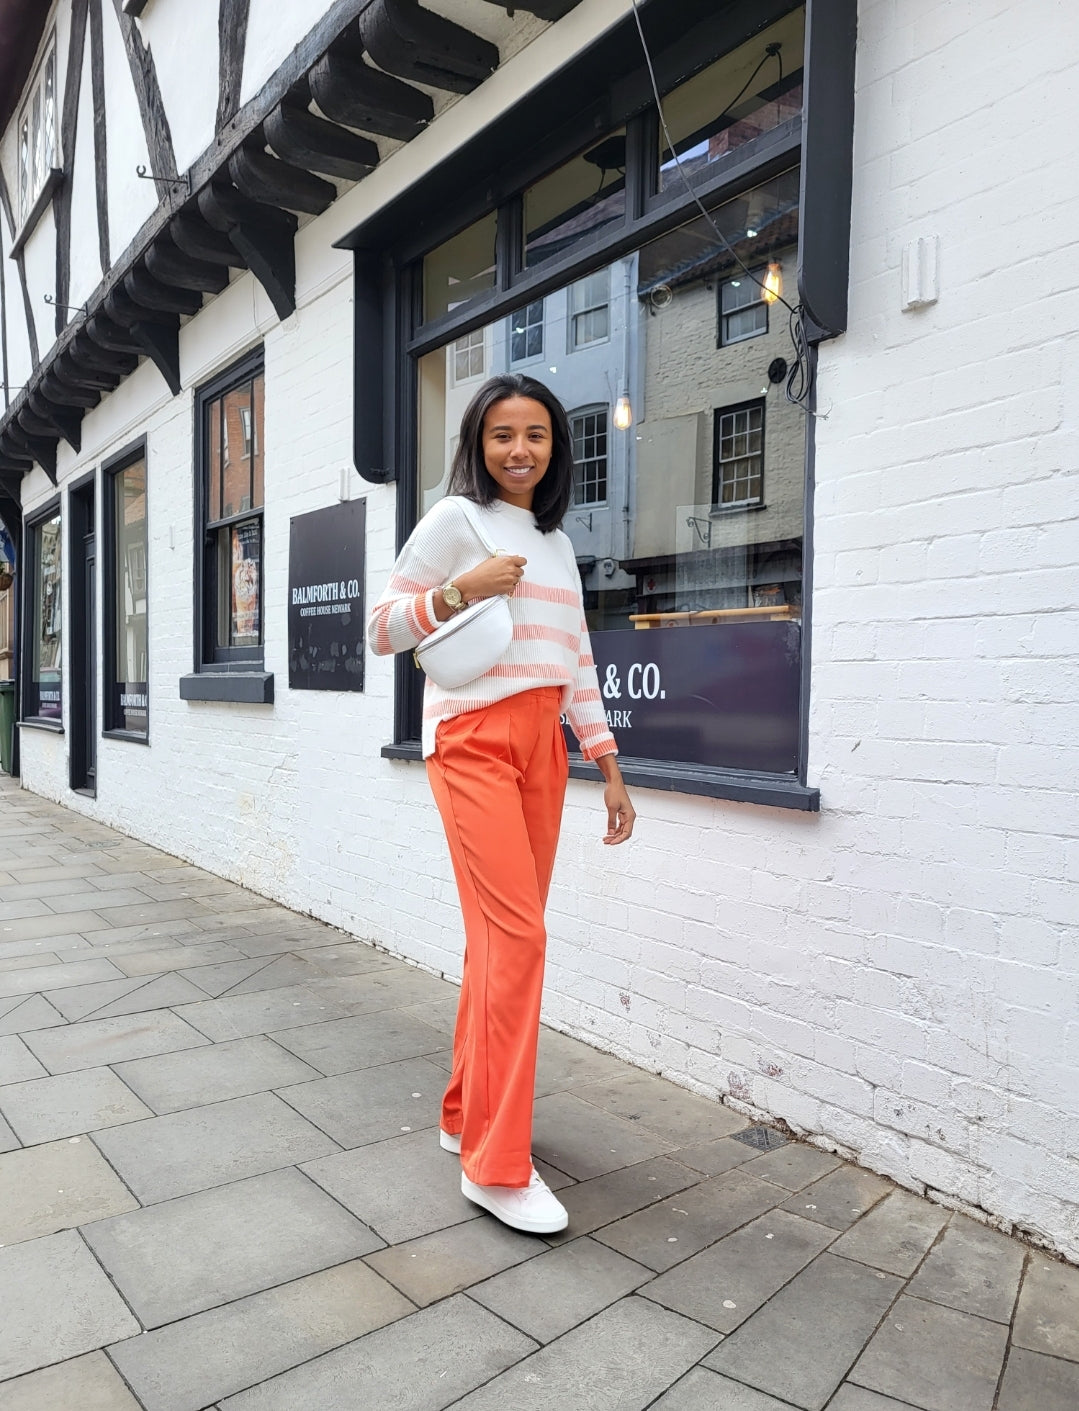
(126, 684)
(577, 202)
(589, 431)
(526, 333)
(738, 451)
(742, 312)
(469, 357)
(43, 619)
(37, 134)
(460, 270)
(590, 310)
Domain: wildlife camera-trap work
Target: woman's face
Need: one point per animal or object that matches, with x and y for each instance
(517, 447)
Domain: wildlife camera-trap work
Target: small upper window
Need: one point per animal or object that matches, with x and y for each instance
(526, 332)
(589, 432)
(37, 133)
(469, 357)
(590, 310)
(738, 456)
(742, 312)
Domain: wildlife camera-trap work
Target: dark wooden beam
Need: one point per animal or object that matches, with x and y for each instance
(69, 118)
(79, 374)
(38, 450)
(199, 240)
(157, 334)
(87, 354)
(314, 144)
(263, 178)
(35, 425)
(264, 237)
(58, 389)
(232, 42)
(156, 298)
(111, 336)
(67, 420)
(101, 160)
(155, 122)
(414, 43)
(168, 264)
(352, 92)
(20, 265)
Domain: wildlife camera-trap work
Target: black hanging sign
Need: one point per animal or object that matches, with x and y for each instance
(325, 598)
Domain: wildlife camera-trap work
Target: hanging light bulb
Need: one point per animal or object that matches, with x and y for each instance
(623, 413)
(772, 285)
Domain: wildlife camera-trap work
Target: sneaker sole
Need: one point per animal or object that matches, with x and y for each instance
(478, 1196)
(449, 1141)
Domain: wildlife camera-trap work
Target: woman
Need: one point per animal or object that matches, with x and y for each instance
(496, 759)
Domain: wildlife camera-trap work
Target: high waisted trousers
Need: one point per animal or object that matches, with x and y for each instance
(499, 780)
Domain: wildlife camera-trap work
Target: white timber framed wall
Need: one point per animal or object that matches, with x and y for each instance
(896, 978)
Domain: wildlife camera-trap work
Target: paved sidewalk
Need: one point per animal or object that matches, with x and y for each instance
(221, 1187)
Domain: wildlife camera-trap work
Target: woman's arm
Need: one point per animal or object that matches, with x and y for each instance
(621, 814)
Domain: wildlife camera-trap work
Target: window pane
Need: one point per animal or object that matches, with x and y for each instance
(526, 332)
(258, 477)
(460, 269)
(238, 442)
(213, 494)
(577, 200)
(747, 92)
(243, 584)
(48, 113)
(469, 356)
(589, 431)
(25, 160)
(129, 705)
(45, 661)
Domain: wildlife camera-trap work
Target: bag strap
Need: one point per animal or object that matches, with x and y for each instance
(469, 512)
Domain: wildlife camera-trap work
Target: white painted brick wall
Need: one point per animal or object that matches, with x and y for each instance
(897, 977)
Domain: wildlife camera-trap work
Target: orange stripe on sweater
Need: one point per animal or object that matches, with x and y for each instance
(515, 671)
(542, 594)
(400, 585)
(539, 632)
(586, 694)
(422, 616)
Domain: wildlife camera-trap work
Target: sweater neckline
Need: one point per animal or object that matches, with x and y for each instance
(513, 512)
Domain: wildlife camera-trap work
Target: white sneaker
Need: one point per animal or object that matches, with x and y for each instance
(533, 1208)
(449, 1141)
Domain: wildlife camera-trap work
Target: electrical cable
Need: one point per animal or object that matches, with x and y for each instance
(800, 379)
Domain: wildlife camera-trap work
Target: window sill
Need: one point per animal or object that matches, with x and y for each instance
(746, 507)
(245, 687)
(53, 727)
(44, 196)
(771, 790)
(134, 737)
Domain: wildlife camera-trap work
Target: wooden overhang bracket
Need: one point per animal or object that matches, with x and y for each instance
(310, 142)
(263, 178)
(56, 389)
(201, 241)
(350, 91)
(36, 449)
(67, 420)
(542, 9)
(154, 297)
(79, 374)
(157, 334)
(406, 40)
(170, 265)
(110, 335)
(262, 234)
(35, 425)
(89, 355)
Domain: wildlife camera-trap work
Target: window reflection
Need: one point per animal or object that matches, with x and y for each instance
(460, 269)
(576, 201)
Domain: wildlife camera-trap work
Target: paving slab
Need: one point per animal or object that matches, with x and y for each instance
(56, 948)
(56, 1187)
(40, 978)
(605, 1199)
(239, 1016)
(17, 1063)
(93, 898)
(671, 1231)
(160, 992)
(558, 1289)
(199, 1076)
(974, 1269)
(562, 1061)
(44, 1109)
(8, 1140)
(144, 959)
(24, 962)
(187, 1365)
(451, 1260)
(23, 907)
(88, 1383)
(200, 1251)
(702, 1390)
(388, 988)
(422, 1363)
(724, 1285)
(374, 1103)
(680, 1117)
(854, 1398)
(343, 1045)
(287, 969)
(641, 1348)
(840, 1198)
(187, 1151)
(82, 1001)
(821, 1321)
(714, 1158)
(97, 1042)
(935, 1357)
(793, 1166)
(584, 1141)
(895, 1235)
(402, 1188)
(66, 1305)
(1034, 1382)
(215, 980)
(350, 958)
(1047, 1318)
(44, 928)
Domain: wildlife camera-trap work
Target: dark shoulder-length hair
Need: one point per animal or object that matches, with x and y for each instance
(469, 475)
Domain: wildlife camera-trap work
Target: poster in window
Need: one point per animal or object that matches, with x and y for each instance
(49, 618)
(246, 566)
(325, 599)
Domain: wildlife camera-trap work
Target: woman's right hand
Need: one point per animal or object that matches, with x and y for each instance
(491, 578)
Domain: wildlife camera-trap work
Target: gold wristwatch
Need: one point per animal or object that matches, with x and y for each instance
(451, 596)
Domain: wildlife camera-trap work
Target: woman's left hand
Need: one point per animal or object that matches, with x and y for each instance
(620, 812)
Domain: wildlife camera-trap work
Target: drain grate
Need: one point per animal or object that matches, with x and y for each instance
(763, 1138)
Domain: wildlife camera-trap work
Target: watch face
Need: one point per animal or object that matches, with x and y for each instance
(451, 595)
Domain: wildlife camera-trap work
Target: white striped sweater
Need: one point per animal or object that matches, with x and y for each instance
(550, 644)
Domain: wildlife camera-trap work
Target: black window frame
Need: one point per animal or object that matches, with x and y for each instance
(511, 332)
(110, 469)
(591, 409)
(721, 314)
(224, 673)
(752, 404)
(526, 145)
(31, 559)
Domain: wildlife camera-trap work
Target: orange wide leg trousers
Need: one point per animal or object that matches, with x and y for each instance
(499, 780)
